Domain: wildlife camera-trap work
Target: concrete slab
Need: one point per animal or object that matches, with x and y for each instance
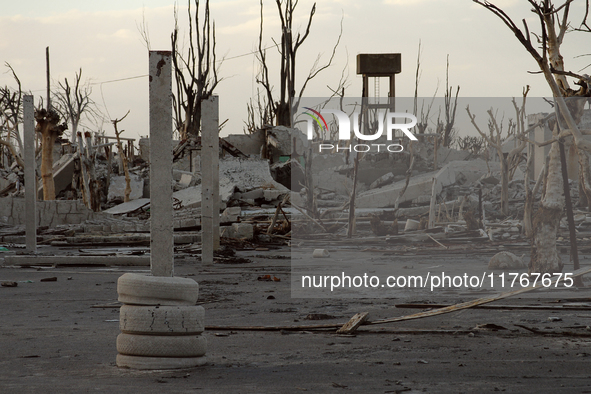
(117, 187)
(63, 170)
(248, 174)
(27, 261)
(127, 207)
(242, 175)
(186, 180)
(191, 196)
(421, 185)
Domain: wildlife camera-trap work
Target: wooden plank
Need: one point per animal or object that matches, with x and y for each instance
(502, 307)
(473, 303)
(352, 325)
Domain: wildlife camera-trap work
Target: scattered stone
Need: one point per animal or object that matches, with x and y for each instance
(320, 253)
(505, 261)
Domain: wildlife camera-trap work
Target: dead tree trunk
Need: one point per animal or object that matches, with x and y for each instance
(495, 140)
(86, 198)
(554, 23)
(123, 159)
(47, 125)
(544, 256)
(94, 189)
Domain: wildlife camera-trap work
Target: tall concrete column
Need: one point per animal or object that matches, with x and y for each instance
(30, 178)
(210, 176)
(161, 230)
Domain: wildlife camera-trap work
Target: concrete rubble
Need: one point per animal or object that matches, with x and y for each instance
(446, 205)
(250, 186)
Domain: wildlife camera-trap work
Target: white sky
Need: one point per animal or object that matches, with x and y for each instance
(102, 37)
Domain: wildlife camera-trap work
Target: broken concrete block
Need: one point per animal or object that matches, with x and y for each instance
(127, 207)
(189, 222)
(186, 180)
(504, 261)
(250, 195)
(320, 253)
(411, 225)
(63, 169)
(421, 185)
(422, 199)
(334, 182)
(117, 187)
(93, 228)
(230, 215)
(237, 230)
(489, 180)
(272, 194)
(243, 230)
(233, 211)
(226, 232)
(383, 180)
(73, 218)
(64, 206)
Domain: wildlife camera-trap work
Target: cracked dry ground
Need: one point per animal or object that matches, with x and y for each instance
(54, 340)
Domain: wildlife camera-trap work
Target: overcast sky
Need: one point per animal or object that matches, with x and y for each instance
(102, 37)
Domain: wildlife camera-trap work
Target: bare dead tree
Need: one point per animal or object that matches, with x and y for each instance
(546, 51)
(472, 144)
(495, 139)
(10, 117)
(50, 129)
(288, 48)
(423, 117)
(258, 114)
(73, 101)
(195, 70)
(447, 128)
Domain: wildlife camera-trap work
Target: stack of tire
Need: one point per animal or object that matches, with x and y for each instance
(161, 327)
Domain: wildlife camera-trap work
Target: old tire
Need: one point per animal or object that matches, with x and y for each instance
(139, 362)
(139, 289)
(161, 345)
(161, 320)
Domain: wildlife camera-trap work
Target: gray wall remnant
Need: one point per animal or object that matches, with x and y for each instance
(210, 175)
(161, 231)
(14, 210)
(30, 178)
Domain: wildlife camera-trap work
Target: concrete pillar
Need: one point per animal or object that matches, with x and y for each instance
(210, 176)
(161, 230)
(30, 178)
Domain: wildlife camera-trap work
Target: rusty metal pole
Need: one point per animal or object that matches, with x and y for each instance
(574, 253)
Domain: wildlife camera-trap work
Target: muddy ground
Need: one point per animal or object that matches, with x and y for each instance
(60, 336)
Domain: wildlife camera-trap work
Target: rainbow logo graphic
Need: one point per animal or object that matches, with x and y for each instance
(317, 118)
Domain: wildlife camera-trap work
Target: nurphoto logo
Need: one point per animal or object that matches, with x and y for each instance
(344, 129)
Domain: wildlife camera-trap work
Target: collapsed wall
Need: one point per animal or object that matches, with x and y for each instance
(49, 213)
